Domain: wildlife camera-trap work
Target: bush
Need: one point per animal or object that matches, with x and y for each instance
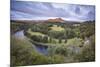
(23, 53)
(37, 38)
(86, 55)
(58, 50)
(56, 59)
(88, 52)
(75, 42)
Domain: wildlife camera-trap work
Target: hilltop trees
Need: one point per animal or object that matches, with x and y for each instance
(87, 29)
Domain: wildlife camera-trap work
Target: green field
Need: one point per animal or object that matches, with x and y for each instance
(35, 33)
(57, 28)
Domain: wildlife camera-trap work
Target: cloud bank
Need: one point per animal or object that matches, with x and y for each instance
(22, 10)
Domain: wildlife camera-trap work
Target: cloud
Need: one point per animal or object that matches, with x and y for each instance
(40, 10)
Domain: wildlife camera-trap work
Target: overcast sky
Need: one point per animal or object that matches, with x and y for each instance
(22, 10)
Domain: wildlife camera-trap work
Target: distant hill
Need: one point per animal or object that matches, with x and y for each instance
(39, 21)
(55, 20)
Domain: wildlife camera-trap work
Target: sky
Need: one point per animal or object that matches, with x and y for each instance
(28, 10)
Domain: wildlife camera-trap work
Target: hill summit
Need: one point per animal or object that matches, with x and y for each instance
(55, 20)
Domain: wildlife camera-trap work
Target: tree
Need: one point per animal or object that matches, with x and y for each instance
(65, 40)
(45, 39)
(88, 52)
(60, 40)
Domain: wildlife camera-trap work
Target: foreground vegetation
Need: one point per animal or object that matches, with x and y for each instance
(65, 42)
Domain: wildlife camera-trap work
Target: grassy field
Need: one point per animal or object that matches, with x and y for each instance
(34, 33)
(57, 28)
(54, 40)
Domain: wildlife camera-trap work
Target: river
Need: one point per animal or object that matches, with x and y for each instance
(40, 48)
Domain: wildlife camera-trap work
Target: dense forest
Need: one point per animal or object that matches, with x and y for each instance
(63, 42)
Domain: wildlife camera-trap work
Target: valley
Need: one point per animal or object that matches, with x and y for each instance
(53, 41)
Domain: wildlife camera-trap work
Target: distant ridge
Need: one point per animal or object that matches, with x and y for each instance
(55, 20)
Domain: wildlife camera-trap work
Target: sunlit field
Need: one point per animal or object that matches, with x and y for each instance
(57, 28)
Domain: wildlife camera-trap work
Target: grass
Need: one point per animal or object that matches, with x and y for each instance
(57, 28)
(35, 33)
(55, 41)
(22, 53)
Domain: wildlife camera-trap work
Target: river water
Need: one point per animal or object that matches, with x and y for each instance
(19, 34)
(39, 48)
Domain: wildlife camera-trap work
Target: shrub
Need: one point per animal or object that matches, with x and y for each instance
(75, 42)
(58, 50)
(23, 53)
(88, 52)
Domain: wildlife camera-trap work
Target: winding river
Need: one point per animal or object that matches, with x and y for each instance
(40, 48)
